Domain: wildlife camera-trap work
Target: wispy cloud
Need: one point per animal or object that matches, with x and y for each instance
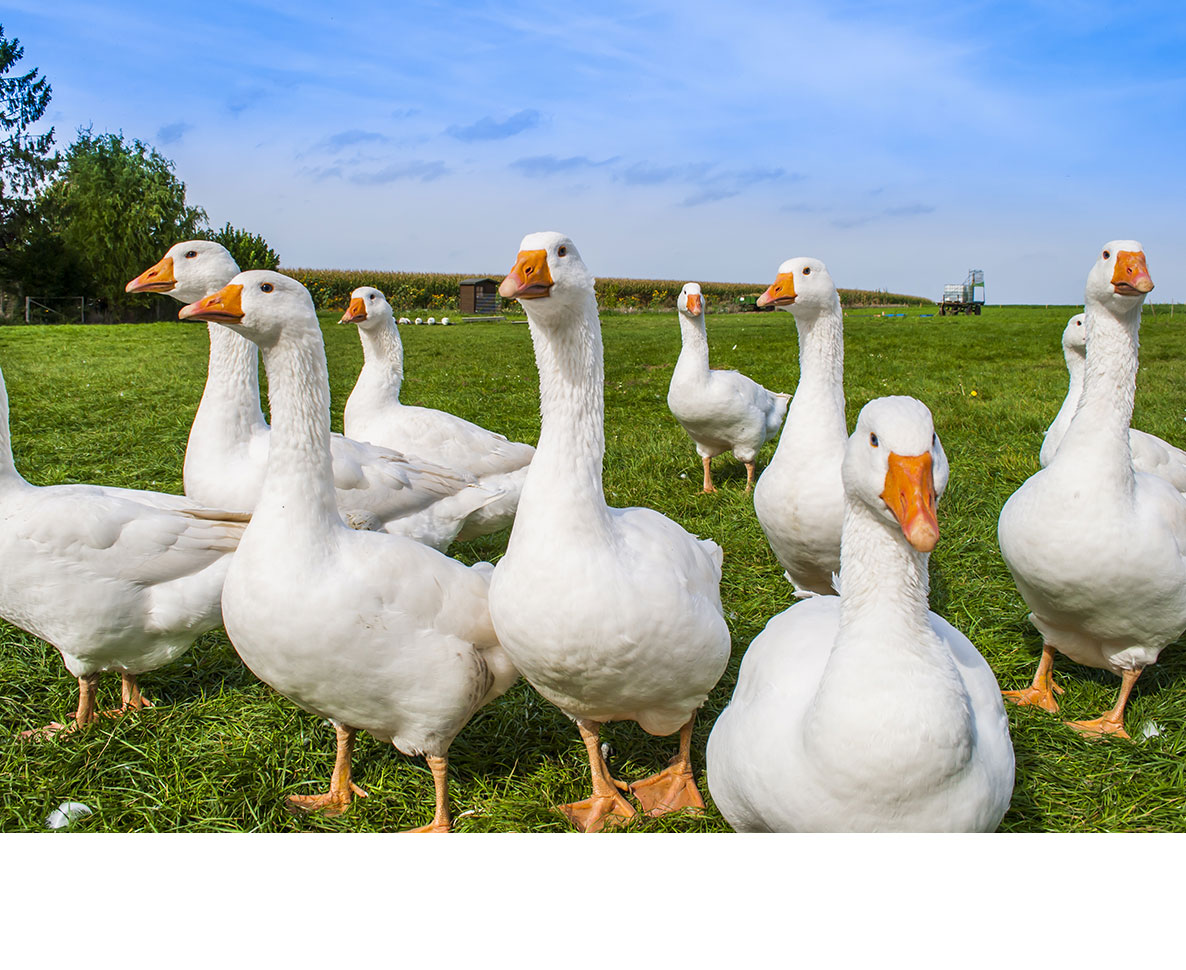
(551, 165)
(168, 134)
(487, 129)
(727, 184)
(354, 136)
(420, 171)
(884, 215)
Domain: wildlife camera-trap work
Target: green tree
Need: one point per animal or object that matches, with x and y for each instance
(26, 160)
(250, 250)
(116, 206)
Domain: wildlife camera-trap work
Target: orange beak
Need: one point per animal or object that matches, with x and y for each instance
(530, 278)
(694, 304)
(156, 279)
(356, 312)
(779, 293)
(1131, 277)
(910, 495)
(225, 306)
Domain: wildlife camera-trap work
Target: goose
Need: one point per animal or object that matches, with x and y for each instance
(1150, 454)
(374, 413)
(866, 711)
(611, 614)
(1095, 547)
(113, 578)
(375, 632)
(226, 457)
(721, 410)
(799, 498)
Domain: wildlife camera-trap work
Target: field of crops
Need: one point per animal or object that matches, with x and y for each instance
(220, 750)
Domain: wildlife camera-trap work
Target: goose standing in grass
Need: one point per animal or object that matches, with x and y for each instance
(374, 413)
(721, 410)
(375, 632)
(799, 499)
(611, 614)
(113, 580)
(1150, 454)
(1095, 547)
(227, 453)
(867, 712)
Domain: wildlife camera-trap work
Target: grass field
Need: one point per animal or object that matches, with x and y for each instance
(220, 750)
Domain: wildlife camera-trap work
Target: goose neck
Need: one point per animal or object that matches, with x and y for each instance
(8, 470)
(571, 447)
(383, 359)
(1097, 438)
(693, 355)
(298, 487)
(229, 408)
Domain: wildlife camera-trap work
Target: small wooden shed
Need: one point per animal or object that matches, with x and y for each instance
(479, 295)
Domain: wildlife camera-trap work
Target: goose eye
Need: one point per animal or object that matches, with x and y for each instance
(1107, 255)
(266, 287)
(371, 297)
(191, 254)
(562, 251)
(873, 440)
(806, 270)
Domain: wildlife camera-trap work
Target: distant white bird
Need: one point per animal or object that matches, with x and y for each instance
(419, 320)
(432, 320)
(722, 410)
(404, 321)
(445, 321)
(375, 413)
(1150, 454)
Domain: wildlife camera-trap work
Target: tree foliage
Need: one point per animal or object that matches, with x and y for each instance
(25, 159)
(250, 251)
(116, 206)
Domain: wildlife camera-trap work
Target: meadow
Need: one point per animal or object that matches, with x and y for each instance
(220, 750)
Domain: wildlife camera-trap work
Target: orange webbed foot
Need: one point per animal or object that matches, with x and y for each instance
(671, 790)
(1034, 696)
(1100, 727)
(595, 813)
(328, 803)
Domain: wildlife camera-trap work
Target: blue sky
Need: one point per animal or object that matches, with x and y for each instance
(902, 143)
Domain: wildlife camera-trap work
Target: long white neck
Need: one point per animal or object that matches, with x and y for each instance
(1058, 427)
(8, 472)
(383, 360)
(298, 488)
(1096, 442)
(693, 355)
(229, 412)
(565, 473)
(886, 649)
(819, 399)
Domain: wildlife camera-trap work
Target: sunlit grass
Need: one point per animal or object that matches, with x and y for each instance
(220, 750)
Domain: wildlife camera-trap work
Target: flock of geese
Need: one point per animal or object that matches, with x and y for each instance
(324, 556)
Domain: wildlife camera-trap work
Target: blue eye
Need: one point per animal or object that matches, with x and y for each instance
(873, 440)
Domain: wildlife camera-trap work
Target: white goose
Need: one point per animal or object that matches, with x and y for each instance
(868, 712)
(1150, 454)
(113, 578)
(611, 614)
(722, 410)
(799, 498)
(375, 632)
(227, 453)
(1095, 548)
(374, 413)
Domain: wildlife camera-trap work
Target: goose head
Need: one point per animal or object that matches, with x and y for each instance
(549, 277)
(894, 464)
(1074, 337)
(259, 304)
(690, 302)
(368, 309)
(1119, 280)
(801, 284)
(188, 271)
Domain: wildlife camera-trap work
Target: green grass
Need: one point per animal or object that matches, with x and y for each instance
(221, 750)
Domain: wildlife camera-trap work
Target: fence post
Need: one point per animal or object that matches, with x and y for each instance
(27, 309)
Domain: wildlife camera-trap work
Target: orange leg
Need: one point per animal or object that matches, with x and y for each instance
(441, 822)
(86, 714)
(341, 788)
(131, 696)
(606, 806)
(1041, 692)
(1111, 723)
(673, 788)
(750, 472)
(708, 486)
